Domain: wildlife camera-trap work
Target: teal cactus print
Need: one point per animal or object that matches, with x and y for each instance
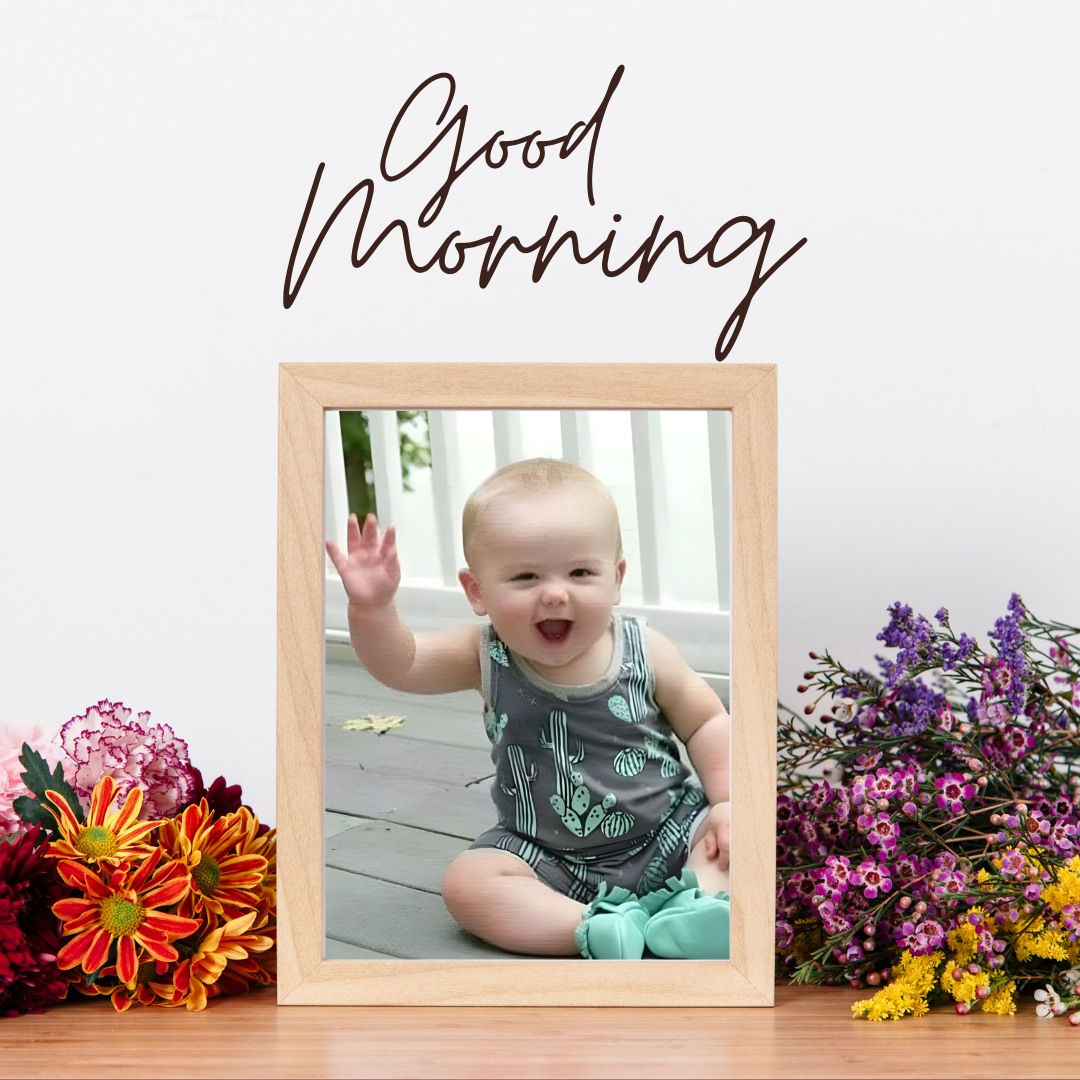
(671, 836)
(693, 796)
(660, 749)
(525, 811)
(495, 728)
(619, 707)
(617, 823)
(631, 761)
(575, 817)
(639, 685)
(557, 741)
(656, 873)
(497, 652)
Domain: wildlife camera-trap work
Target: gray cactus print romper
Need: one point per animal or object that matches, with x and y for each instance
(589, 786)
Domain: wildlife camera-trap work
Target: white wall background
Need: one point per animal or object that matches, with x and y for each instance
(154, 162)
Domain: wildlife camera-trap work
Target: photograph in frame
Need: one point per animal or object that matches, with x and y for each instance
(309, 393)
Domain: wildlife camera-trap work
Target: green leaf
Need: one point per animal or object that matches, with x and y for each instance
(35, 813)
(38, 779)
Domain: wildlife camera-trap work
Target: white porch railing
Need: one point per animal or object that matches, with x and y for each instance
(668, 471)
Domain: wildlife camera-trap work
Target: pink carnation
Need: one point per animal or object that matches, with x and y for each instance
(105, 742)
(42, 738)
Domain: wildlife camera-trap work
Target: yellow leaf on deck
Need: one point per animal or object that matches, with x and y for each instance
(379, 724)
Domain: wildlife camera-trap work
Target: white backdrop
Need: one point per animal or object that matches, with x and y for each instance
(156, 160)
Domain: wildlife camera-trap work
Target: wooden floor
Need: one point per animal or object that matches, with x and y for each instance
(399, 807)
(810, 1033)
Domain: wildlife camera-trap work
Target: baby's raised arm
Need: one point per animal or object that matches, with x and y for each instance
(371, 573)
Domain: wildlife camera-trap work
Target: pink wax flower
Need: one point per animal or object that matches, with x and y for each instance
(40, 737)
(135, 753)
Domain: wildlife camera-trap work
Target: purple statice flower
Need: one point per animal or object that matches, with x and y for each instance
(916, 707)
(952, 655)
(913, 637)
(1011, 641)
(953, 791)
(135, 753)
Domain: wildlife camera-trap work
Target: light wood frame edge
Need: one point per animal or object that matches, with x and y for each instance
(305, 392)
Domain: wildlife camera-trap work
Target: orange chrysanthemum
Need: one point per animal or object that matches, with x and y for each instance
(225, 878)
(196, 980)
(105, 837)
(123, 909)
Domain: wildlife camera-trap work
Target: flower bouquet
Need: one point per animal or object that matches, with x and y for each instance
(927, 820)
(122, 875)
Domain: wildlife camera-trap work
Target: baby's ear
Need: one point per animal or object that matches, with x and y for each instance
(472, 591)
(620, 573)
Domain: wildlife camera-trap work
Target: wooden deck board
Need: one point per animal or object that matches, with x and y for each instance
(400, 806)
(406, 923)
(414, 858)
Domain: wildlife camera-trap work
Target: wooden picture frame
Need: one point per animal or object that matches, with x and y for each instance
(306, 391)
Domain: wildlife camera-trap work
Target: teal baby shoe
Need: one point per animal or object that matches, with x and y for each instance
(612, 927)
(688, 924)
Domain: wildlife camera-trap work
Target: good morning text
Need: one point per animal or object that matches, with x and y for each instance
(445, 142)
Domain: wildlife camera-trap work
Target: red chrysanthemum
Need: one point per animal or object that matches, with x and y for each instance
(30, 980)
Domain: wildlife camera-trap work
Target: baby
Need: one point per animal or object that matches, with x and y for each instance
(606, 844)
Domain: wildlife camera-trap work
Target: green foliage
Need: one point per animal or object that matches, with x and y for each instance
(415, 445)
(37, 778)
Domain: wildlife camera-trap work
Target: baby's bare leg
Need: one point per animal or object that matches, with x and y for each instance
(496, 896)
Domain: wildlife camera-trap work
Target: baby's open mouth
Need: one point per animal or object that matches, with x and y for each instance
(554, 630)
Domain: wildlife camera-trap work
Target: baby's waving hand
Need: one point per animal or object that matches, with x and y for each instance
(369, 570)
(435, 663)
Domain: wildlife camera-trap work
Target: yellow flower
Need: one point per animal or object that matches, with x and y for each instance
(964, 988)
(1066, 889)
(914, 979)
(1047, 944)
(1001, 1001)
(964, 941)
